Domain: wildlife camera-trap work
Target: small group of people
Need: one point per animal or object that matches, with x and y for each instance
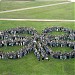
(60, 55)
(59, 29)
(16, 55)
(15, 32)
(69, 34)
(12, 37)
(39, 44)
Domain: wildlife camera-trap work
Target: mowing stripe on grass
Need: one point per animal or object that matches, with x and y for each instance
(34, 7)
(39, 20)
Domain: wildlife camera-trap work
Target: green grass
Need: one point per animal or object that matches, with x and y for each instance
(57, 33)
(39, 26)
(63, 49)
(10, 48)
(9, 5)
(65, 11)
(29, 35)
(29, 65)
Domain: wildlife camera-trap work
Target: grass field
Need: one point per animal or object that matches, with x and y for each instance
(9, 5)
(29, 65)
(65, 11)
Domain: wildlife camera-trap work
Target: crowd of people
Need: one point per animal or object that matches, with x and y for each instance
(68, 33)
(39, 44)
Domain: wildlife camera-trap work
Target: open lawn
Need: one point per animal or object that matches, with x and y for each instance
(29, 65)
(9, 5)
(64, 11)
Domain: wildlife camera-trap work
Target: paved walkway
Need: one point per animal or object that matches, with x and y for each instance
(39, 20)
(34, 7)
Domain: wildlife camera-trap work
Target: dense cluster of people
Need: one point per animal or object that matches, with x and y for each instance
(69, 34)
(40, 45)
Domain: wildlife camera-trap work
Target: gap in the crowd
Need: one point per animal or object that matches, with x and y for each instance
(10, 48)
(56, 33)
(61, 49)
(24, 34)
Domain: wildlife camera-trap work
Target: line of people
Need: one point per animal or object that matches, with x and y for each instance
(38, 44)
(69, 34)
